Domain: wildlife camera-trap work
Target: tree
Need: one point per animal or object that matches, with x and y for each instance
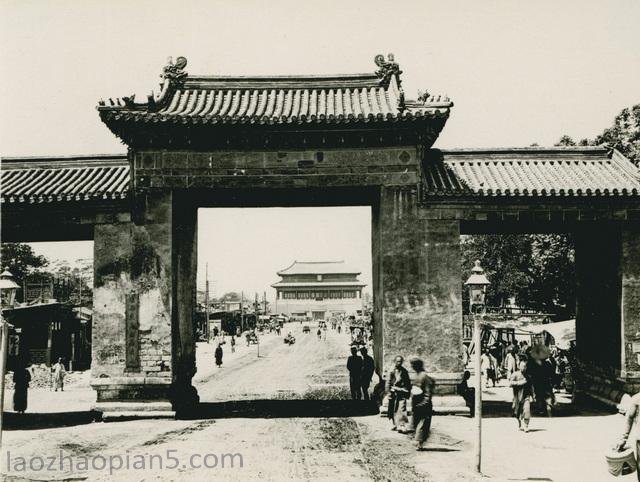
(231, 296)
(565, 140)
(21, 260)
(506, 260)
(77, 280)
(624, 135)
(553, 289)
(538, 270)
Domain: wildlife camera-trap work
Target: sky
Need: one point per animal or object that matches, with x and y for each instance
(518, 72)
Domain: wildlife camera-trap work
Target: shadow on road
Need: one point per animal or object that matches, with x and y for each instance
(585, 408)
(35, 421)
(281, 409)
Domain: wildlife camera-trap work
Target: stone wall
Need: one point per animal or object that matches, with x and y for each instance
(142, 338)
(419, 278)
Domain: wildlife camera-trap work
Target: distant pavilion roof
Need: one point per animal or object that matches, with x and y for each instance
(321, 99)
(71, 178)
(530, 172)
(318, 284)
(318, 267)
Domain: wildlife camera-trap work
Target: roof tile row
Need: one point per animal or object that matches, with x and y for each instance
(50, 184)
(553, 173)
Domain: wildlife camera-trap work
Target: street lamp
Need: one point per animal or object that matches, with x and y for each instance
(8, 289)
(477, 284)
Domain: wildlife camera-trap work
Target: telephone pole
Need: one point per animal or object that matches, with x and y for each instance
(242, 310)
(264, 302)
(206, 303)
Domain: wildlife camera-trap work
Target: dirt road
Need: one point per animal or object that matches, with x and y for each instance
(259, 421)
(281, 371)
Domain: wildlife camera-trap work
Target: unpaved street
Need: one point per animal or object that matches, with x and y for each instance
(263, 411)
(305, 369)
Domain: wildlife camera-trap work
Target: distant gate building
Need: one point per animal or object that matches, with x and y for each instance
(319, 290)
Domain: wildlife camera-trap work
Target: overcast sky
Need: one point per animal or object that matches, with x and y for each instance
(518, 73)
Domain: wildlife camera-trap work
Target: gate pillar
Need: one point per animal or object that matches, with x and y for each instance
(630, 309)
(608, 310)
(144, 291)
(419, 287)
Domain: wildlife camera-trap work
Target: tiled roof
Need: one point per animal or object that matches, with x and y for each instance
(278, 100)
(317, 284)
(527, 172)
(318, 267)
(45, 180)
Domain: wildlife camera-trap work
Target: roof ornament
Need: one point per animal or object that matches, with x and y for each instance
(174, 71)
(387, 68)
(423, 96)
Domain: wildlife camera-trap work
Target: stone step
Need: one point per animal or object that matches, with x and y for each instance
(136, 415)
(133, 407)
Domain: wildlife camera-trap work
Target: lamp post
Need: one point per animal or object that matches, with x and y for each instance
(8, 289)
(477, 284)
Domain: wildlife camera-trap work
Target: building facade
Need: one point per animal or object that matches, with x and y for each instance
(319, 290)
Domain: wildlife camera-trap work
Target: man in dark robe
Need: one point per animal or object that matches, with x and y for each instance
(354, 365)
(368, 367)
(218, 355)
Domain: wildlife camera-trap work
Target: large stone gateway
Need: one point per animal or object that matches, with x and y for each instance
(320, 141)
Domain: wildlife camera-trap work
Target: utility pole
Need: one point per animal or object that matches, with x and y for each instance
(206, 303)
(242, 310)
(264, 302)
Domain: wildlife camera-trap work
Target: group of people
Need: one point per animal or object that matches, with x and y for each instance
(361, 369)
(419, 390)
(399, 389)
(22, 379)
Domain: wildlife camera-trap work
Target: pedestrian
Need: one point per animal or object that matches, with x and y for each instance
(21, 379)
(510, 362)
(319, 333)
(354, 365)
(467, 392)
(59, 373)
(421, 402)
(541, 373)
(233, 344)
(339, 328)
(368, 368)
(522, 395)
(631, 411)
(399, 389)
(488, 368)
(218, 355)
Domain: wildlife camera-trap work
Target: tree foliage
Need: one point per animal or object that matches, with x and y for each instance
(21, 260)
(538, 270)
(231, 296)
(624, 135)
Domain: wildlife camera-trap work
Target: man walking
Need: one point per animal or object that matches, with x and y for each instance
(218, 355)
(368, 367)
(354, 365)
(59, 373)
(421, 403)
